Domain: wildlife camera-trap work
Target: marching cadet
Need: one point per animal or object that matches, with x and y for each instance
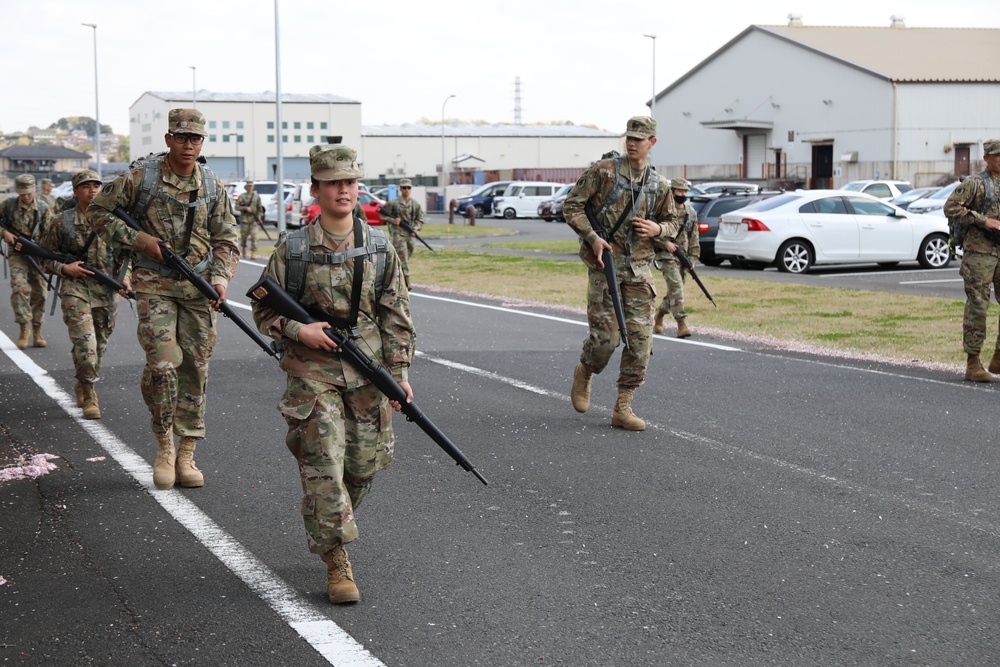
(688, 242)
(250, 209)
(403, 209)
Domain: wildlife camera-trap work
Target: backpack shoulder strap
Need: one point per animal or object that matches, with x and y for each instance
(616, 192)
(989, 192)
(150, 185)
(381, 242)
(210, 182)
(296, 261)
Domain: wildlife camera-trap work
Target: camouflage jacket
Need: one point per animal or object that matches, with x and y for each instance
(409, 212)
(49, 200)
(965, 204)
(213, 234)
(252, 202)
(595, 185)
(23, 216)
(98, 255)
(687, 239)
(386, 330)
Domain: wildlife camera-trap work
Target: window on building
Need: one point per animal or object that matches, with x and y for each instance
(284, 138)
(270, 138)
(211, 124)
(239, 138)
(225, 125)
(322, 125)
(239, 125)
(270, 124)
(284, 125)
(298, 138)
(225, 138)
(298, 125)
(212, 138)
(311, 138)
(78, 164)
(309, 125)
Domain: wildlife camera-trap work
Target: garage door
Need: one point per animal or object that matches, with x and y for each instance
(756, 156)
(294, 168)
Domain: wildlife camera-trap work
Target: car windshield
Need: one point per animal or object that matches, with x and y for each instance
(856, 186)
(564, 190)
(265, 188)
(698, 204)
(728, 205)
(944, 192)
(773, 202)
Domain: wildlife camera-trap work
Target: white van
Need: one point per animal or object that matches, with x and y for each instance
(521, 199)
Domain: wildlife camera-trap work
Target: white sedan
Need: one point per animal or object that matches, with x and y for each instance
(797, 230)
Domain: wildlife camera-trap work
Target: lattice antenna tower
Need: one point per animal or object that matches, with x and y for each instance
(517, 100)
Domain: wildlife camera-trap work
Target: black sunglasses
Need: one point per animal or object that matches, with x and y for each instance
(404, 187)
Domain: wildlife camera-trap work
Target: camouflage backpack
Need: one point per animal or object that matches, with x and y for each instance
(957, 230)
(149, 189)
(8, 213)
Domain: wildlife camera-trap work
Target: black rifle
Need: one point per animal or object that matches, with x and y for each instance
(610, 274)
(29, 247)
(686, 263)
(31, 260)
(269, 294)
(262, 228)
(409, 228)
(174, 261)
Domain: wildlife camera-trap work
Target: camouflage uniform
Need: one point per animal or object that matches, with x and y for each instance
(176, 322)
(688, 242)
(47, 197)
(635, 276)
(88, 307)
(248, 223)
(339, 424)
(409, 212)
(28, 287)
(981, 256)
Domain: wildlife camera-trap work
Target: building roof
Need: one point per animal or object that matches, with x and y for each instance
(42, 152)
(472, 130)
(266, 96)
(898, 54)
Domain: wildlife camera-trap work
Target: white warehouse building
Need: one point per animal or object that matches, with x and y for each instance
(821, 106)
(242, 140)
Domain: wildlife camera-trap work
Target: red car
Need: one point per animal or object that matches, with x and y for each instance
(370, 204)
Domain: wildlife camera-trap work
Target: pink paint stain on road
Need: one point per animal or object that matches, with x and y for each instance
(36, 466)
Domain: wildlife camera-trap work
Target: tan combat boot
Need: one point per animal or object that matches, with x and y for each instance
(340, 586)
(623, 416)
(188, 474)
(37, 330)
(164, 475)
(974, 371)
(580, 393)
(658, 323)
(24, 336)
(995, 363)
(91, 409)
(78, 388)
(682, 329)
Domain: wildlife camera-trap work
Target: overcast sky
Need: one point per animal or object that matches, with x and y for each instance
(585, 61)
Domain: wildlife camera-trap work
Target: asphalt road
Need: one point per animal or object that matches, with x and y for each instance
(780, 509)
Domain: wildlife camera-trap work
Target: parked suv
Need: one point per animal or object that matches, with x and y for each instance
(482, 198)
(521, 199)
(884, 190)
(711, 208)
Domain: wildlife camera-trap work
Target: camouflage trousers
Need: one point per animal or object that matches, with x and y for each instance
(178, 337)
(248, 231)
(27, 291)
(340, 439)
(979, 270)
(673, 300)
(404, 245)
(603, 338)
(89, 329)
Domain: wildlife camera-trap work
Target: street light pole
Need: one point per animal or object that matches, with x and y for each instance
(194, 88)
(97, 102)
(279, 193)
(652, 100)
(444, 171)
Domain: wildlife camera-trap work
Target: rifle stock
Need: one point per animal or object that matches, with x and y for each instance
(611, 275)
(174, 261)
(269, 294)
(409, 228)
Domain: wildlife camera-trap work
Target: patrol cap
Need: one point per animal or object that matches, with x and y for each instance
(640, 127)
(334, 162)
(85, 176)
(47, 181)
(406, 183)
(186, 121)
(24, 184)
(248, 184)
(991, 147)
(680, 184)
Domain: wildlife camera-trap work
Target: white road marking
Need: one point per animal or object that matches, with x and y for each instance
(328, 638)
(925, 282)
(870, 274)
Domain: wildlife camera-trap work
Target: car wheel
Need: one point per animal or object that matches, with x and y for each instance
(934, 252)
(509, 213)
(480, 211)
(795, 257)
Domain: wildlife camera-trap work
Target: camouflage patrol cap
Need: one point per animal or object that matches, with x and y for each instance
(85, 176)
(640, 127)
(248, 184)
(334, 162)
(991, 147)
(47, 181)
(680, 184)
(186, 121)
(406, 183)
(24, 184)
